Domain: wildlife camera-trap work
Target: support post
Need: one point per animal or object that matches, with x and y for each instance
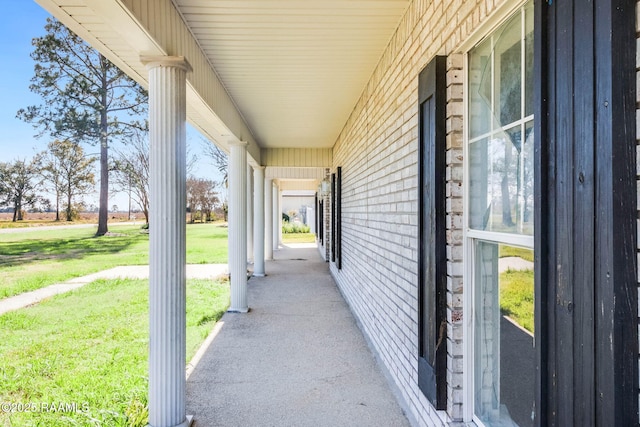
(258, 221)
(279, 216)
(268, 218)
(249, 213)
(238, 226)
(276, 217)
(167, 248)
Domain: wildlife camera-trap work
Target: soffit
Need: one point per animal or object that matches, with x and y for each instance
(294, 68)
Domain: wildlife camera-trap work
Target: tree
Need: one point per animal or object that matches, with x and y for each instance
(201, 197)
(18, 186)
(49, 169)
(218, 158)
(132, 172)
(72, 170)
(85, 98)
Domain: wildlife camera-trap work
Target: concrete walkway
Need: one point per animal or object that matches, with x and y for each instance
(514, 263)
(296, 359)
(195, 271)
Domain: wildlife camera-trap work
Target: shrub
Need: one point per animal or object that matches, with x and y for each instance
(295, 227)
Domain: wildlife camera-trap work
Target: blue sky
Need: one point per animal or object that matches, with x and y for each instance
(20, 22)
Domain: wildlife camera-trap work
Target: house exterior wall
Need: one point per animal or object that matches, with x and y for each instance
(378, 153)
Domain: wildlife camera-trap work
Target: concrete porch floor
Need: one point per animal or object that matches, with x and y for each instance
(296, 359)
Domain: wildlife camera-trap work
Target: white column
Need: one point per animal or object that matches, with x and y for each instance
(268, 219)
(276, 217)
(238, 226)
(167, 250)
(279, 216)
(258, 221)
(249, 212)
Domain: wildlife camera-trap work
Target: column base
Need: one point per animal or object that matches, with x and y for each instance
(258, 275)
(187, 423)
(238, 310)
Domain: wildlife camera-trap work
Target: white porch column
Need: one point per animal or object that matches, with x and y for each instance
(277, 216)
(238, 226)
(167, 251)
(268, 218)
(258, 221)
(249, 212)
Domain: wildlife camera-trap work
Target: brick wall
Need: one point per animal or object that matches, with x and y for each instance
(377, 150)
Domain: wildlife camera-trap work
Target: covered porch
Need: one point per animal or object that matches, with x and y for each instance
(273, 84)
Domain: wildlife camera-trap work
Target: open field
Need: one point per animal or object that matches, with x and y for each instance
(34, 259)
(37, 219)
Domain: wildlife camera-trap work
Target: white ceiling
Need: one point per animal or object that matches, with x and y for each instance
(294, 68)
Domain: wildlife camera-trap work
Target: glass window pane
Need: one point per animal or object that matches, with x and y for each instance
(525, 219)
(480, 90)
(500, 154)
(508, 72)
(504, 335)
(479, 199)
(528, 62)
(506, 168)
(501, 182)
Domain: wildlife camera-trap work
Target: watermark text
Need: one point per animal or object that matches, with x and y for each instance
(62, 407)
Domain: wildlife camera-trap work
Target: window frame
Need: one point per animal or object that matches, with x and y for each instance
(471, 236)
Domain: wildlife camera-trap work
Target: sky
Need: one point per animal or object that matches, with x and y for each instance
(20, 22)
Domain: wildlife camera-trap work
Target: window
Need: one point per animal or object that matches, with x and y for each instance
(499, 235)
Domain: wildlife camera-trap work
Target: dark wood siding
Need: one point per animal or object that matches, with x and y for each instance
(585, 229)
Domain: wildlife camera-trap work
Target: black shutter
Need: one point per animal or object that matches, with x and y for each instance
(432, 255)
(321, 220)
(333, 217)
(339, 218)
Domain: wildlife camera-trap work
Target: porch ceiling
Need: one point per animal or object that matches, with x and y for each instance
(294, 69)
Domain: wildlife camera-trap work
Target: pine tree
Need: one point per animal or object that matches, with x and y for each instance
(85, 98)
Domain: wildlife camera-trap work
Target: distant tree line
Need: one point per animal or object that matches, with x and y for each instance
(67, 173)
(63, 170)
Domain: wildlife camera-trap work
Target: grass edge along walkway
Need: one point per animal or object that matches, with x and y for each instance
(36, 259)
(16, 302)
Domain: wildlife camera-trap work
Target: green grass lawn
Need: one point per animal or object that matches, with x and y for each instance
(516, 289)
(298, 238)
(34, 259)
(90, 347)
(517, 297)
(507, 251)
